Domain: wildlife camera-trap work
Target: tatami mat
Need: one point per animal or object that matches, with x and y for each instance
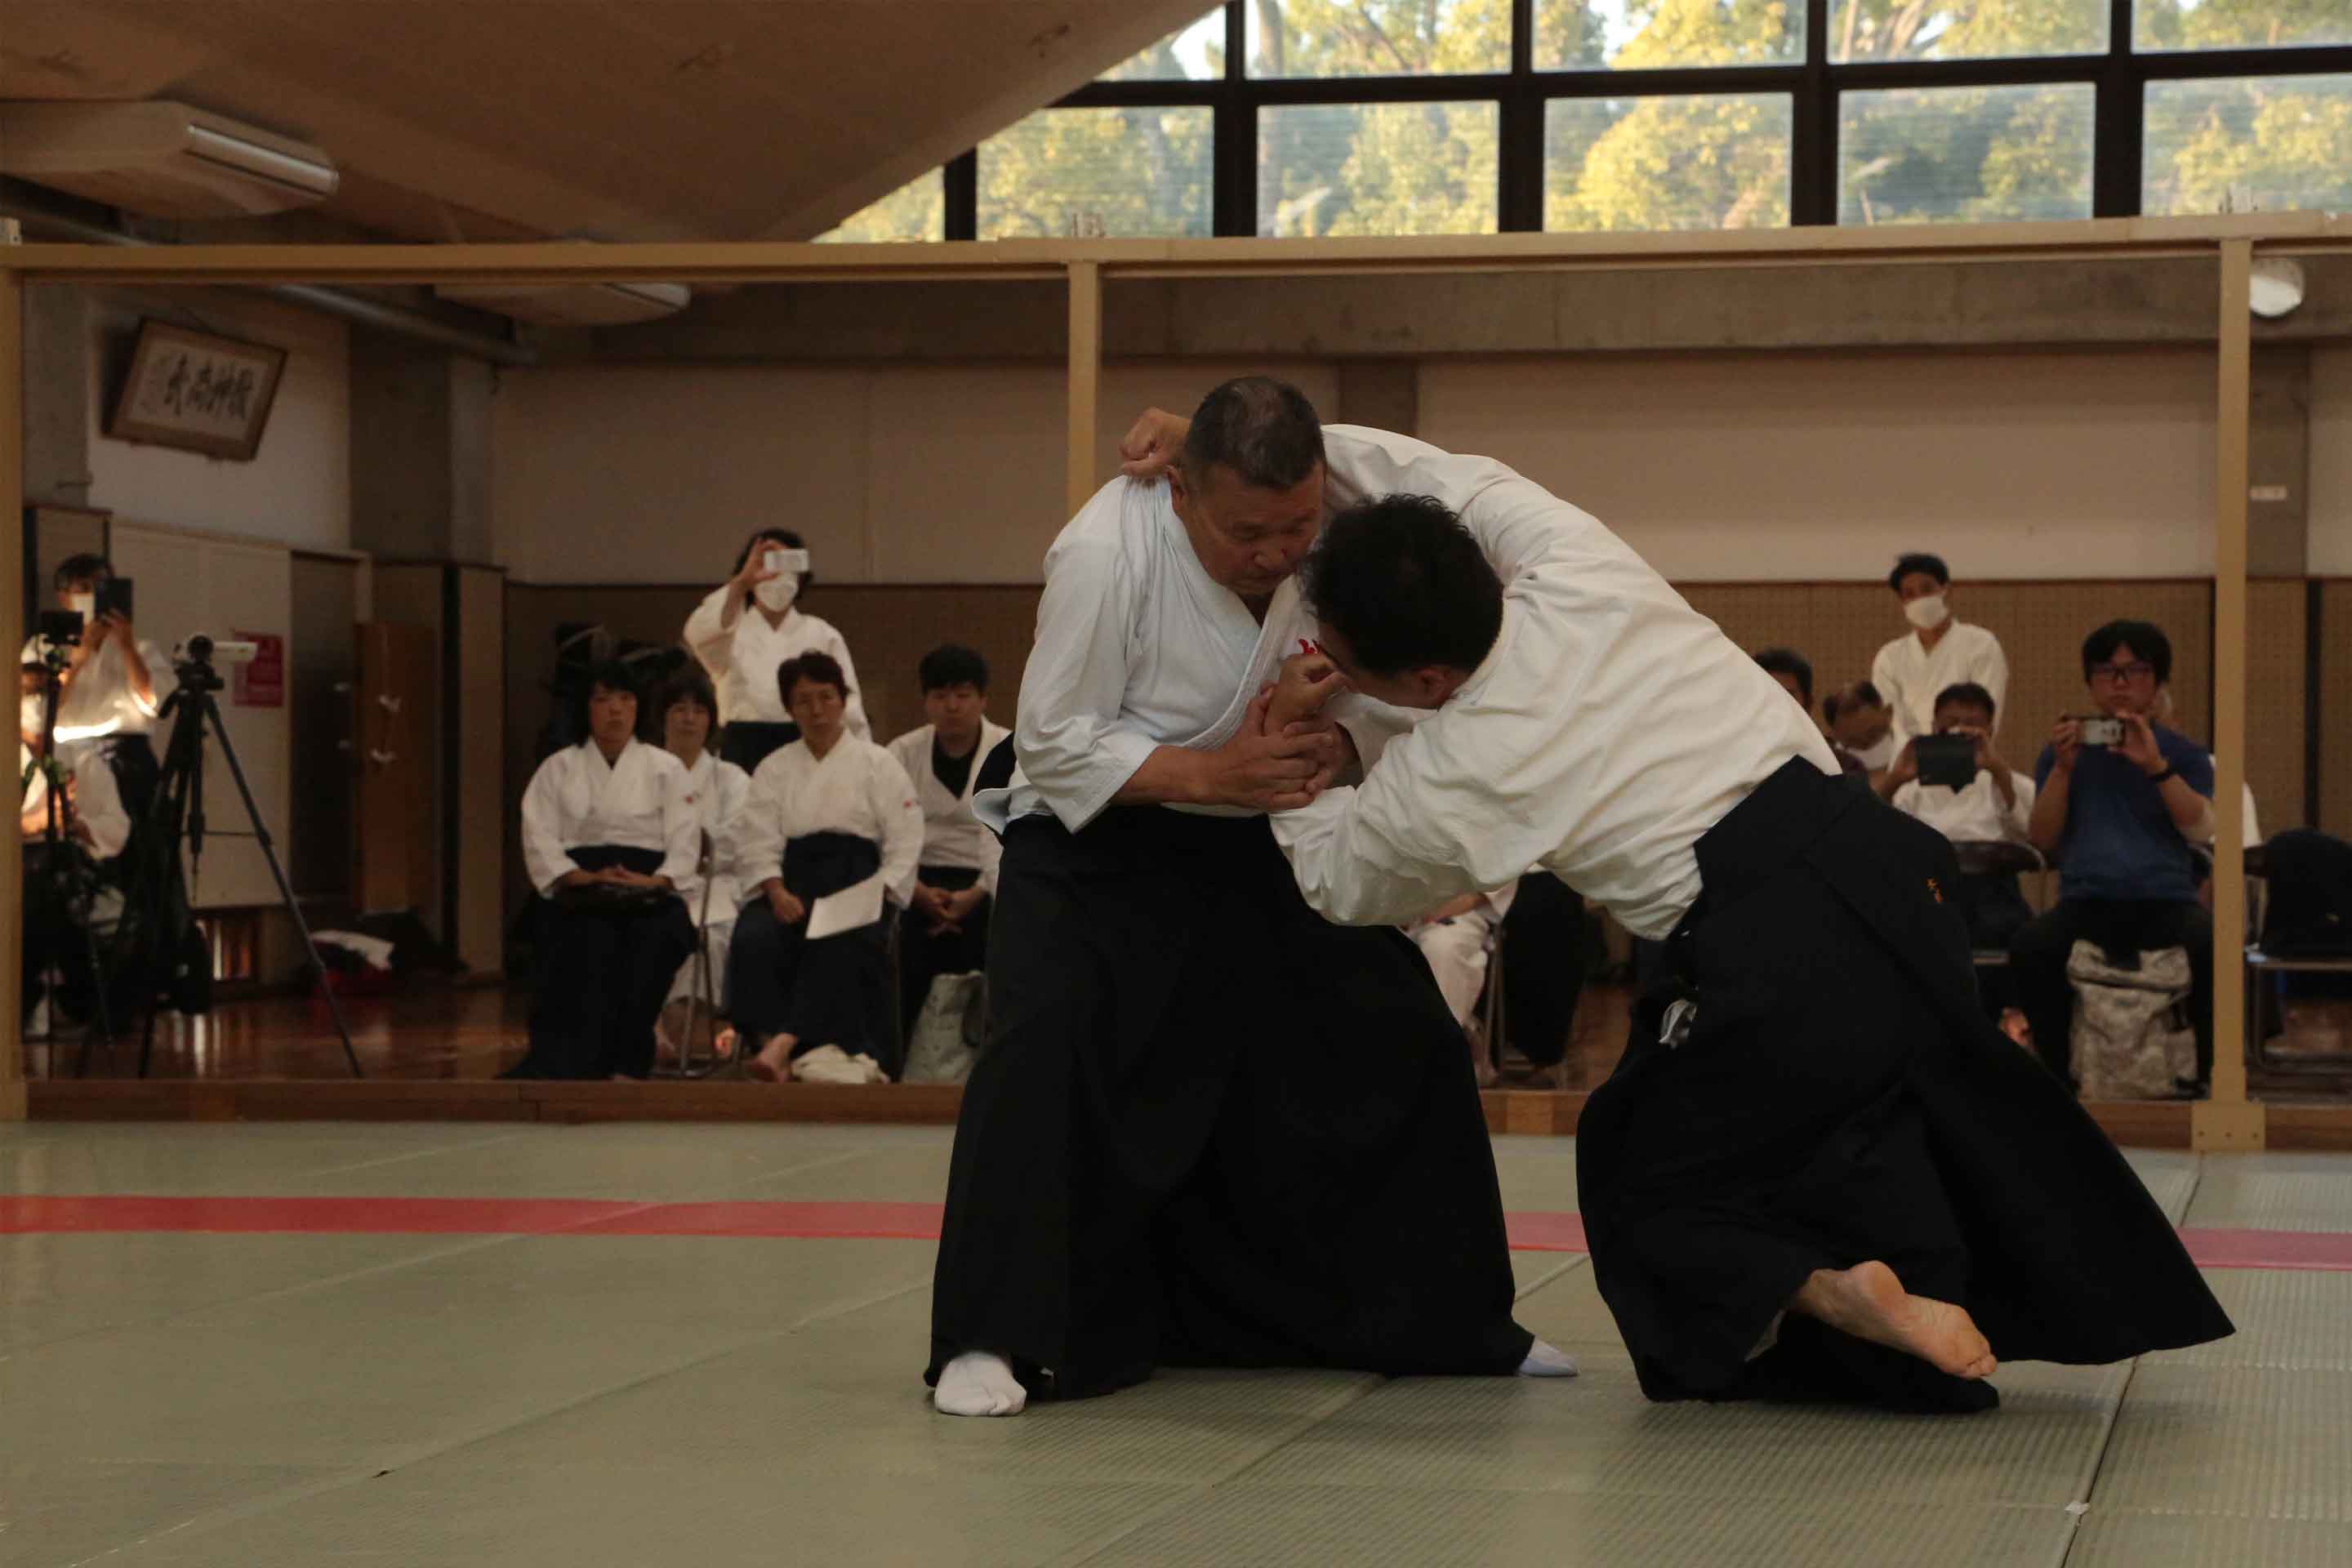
(580, 1400)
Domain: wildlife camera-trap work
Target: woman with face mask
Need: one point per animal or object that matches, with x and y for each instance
(746, 630)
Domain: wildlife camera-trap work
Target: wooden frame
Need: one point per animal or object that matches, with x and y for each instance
(246, 383)
(2226, 1122)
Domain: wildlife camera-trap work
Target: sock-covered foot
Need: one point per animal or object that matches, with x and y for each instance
(1547, 1360)
(979, 1383)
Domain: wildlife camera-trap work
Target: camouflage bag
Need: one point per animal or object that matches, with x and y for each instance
(2131, 1036)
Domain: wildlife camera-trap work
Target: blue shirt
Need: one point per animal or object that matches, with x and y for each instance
(2120, 841)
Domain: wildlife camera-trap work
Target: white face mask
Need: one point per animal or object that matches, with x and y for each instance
(777, 593)
(85, 606)
(1926, 613)
(1880, 757)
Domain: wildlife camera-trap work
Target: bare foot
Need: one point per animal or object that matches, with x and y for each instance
(1870, 1303)
(775, 1062)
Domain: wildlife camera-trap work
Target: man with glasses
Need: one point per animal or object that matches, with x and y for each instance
(2119, 801)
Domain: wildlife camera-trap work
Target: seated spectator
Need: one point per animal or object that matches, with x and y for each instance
(749, 626)
(944, 928)
(108, 701)
(1996, 807)
(827, 813)
(716, 789)
(1543, 954)
(1795, 674)
(611, 842)
(1862, 721)
(73, 837)
(1453, 938)
(2118, 819)
(1938, 651)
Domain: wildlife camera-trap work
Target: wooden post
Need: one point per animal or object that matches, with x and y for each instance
(2227, 1121)
(1086, 379)
(12, 635)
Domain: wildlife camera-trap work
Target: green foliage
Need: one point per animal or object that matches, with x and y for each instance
(1083, 172)
(916, 210)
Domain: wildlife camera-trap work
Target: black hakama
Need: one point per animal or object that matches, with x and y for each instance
(605, 961)
(1208, 1128)
(1841, 1098)
(835, 992)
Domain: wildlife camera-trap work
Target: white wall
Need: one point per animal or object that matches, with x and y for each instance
(1822, 468)
(297, 490)
(2331, 463)
(617, 475)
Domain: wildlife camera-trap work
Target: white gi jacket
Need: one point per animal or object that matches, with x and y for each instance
(1909, 676)
(98, 700)
(717, 791)
(952, 836)
(859, 789)
(638, 801)
(1971, 815)
(97, 798)
(1607, 730)
(742, 660)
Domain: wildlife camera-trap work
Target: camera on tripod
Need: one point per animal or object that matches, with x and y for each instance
(193, 660)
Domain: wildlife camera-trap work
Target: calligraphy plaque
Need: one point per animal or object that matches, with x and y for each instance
(197, 392)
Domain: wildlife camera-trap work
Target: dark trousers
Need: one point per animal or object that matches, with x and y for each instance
(1543, 967)
(923, 957)
(605, 967)
(836, 992)
(2125, 928)
(1209, 1127)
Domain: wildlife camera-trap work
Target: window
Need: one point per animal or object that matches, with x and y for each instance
(1967, 154)
(1196, 53)
(1966, 29)
(2249, 145)
(1648, 34)
(2158, 25)
(1377, 37)
(1077, 173)
(1377, 168)
(1652, 163)
(916, 210)
(1366, 116)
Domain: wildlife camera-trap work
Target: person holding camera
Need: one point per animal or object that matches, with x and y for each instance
(2119, 800)
(747, 630)
(1957, 783)
(107, 701)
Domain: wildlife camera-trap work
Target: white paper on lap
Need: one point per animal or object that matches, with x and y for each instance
(859, 904)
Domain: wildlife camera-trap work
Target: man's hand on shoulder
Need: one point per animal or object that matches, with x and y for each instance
(1151, 445)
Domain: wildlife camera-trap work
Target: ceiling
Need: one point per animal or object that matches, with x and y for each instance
(614, 120)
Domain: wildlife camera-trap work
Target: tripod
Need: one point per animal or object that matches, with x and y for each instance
(68, 890)
(177, 816)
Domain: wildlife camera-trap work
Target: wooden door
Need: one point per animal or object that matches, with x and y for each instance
(396, 722)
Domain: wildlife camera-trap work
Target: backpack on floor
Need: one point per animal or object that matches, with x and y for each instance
(2131, 1034)
(945, 1040)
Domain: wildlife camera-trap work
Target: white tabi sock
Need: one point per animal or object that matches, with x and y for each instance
(979, 1383)
(1543, 1361)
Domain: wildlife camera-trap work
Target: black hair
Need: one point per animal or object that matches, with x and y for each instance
(1263, 430)
(612, 675)
(1918, 561)
(818, 667)
(1406, 585)
(76, 568)
(783, 536)
(1789, 661)
(687, 686)
(1967, 692)
(952, 664)
(2143, 637)
(1865, 695)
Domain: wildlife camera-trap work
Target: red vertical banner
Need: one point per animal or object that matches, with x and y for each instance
(260, 683)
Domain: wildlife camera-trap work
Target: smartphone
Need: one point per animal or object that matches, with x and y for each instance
(2103, 732)
(114, 597)
(1947, 759)
(781, 560)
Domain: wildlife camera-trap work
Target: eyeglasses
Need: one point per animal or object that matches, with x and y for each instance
(2123, 674)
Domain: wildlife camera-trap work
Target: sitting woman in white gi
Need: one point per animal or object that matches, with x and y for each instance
(716, 790)
(831, 813)
(611, 841)
(745, 630)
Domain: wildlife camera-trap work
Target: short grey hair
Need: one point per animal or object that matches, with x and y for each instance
(1263, 430)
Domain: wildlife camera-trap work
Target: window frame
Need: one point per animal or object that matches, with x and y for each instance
(2118, 77)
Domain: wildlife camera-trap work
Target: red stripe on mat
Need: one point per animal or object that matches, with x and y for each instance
(1533, 1231)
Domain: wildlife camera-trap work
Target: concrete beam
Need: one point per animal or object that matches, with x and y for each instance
(57, 395)
(2097, 302)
